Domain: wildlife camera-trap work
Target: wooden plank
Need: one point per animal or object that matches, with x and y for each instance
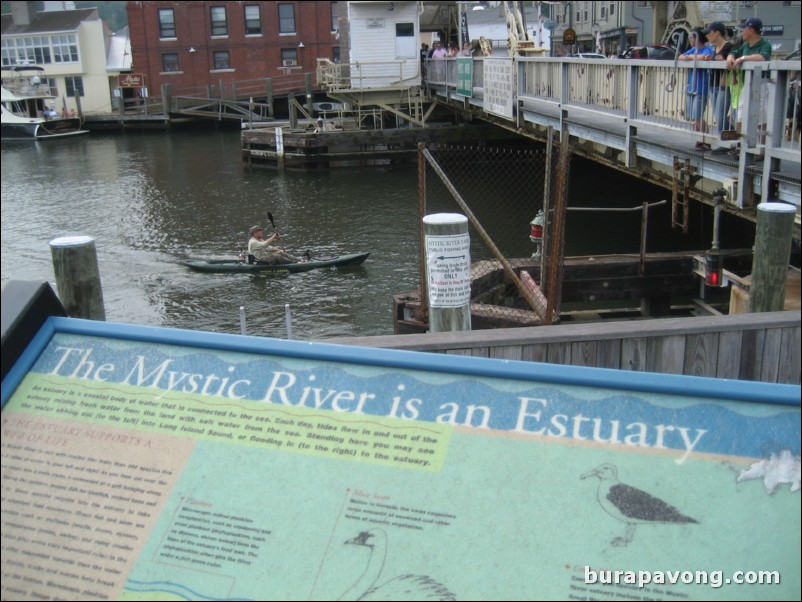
(771, 355)
(467, 352)
(535, 353)
(559, 353)
(665, 354)
(633, 354)
(645, 345)
(790, 352)
(729, 355)
(608, 354)
(584, 353)
(579, 332)
(508, 352)
(701, 354)
(751, 354)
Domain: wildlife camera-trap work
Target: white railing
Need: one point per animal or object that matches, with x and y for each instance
(364, 75)
(655, 95)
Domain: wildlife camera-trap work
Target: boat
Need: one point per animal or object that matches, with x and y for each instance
(28, 107)
(241, 265)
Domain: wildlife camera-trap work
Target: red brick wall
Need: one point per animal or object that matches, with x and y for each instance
(250, 57)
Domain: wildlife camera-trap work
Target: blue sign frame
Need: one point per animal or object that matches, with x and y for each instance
(212, 466)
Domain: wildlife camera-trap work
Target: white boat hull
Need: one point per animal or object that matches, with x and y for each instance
(40, 129)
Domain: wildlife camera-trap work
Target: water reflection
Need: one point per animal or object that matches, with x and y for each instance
(151, 201)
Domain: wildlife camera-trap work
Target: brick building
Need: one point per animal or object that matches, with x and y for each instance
(194, 44)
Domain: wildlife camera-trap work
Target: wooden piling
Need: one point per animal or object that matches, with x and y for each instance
(775, 225)
(78, 277)
(448, 271)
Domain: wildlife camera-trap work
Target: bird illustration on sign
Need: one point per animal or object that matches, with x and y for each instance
(403, 587)
(631, 505)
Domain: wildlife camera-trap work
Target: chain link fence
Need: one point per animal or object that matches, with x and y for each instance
(506, 194)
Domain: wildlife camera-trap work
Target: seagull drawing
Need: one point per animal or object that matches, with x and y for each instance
(631, 505)
(404, 587)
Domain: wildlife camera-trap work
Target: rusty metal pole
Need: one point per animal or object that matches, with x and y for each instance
(424, 291)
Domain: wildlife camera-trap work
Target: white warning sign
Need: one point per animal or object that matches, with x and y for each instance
(448, 262)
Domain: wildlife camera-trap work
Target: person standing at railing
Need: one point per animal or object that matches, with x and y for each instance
(753, 48)
(698, 83)
(719, 92)
(438, 56)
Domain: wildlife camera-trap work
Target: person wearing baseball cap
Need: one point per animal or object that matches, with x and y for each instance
(719, 92)
(754, 47)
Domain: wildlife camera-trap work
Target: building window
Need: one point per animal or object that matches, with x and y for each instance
(166, 23)
(335, 54)
(289, 57)
(65, 49)
(25, 51)
(219, 24)
(286, 18)
(170, 61)
(603, 12)
(578, 16)
(75, 86)
(612, 8)
(586, 14)
(335, 16)
(253, 20)
(221, 60)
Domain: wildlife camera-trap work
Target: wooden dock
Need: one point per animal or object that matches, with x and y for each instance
(657, 285)
(761, 347)
(305, 148)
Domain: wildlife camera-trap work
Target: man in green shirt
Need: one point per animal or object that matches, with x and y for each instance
(754, 48)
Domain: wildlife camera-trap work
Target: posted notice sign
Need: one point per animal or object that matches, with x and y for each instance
(448, 261)
(499, 84)
(143, 463)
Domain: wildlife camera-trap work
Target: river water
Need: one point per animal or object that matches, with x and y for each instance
(152, 200)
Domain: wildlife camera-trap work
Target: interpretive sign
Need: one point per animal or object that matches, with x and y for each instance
(499, 83)
(144, 463)
(465, 77)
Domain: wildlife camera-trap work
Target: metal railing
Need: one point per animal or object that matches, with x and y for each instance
(335, 77)
(656, 96)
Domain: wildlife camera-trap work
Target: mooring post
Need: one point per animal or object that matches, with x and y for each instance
(288, 320)
(78, 276)
(775, 226)
(308, 86)
(448, 271)
(166, 99)
(269, 97)
(243, 328)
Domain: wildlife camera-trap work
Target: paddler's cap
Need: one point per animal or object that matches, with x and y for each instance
(254, 229)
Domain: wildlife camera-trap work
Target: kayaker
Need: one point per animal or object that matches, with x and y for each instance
(263, 251)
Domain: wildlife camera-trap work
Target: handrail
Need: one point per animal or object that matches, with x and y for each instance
(632, 95)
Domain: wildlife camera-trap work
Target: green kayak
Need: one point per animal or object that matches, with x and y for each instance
(235, 265)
